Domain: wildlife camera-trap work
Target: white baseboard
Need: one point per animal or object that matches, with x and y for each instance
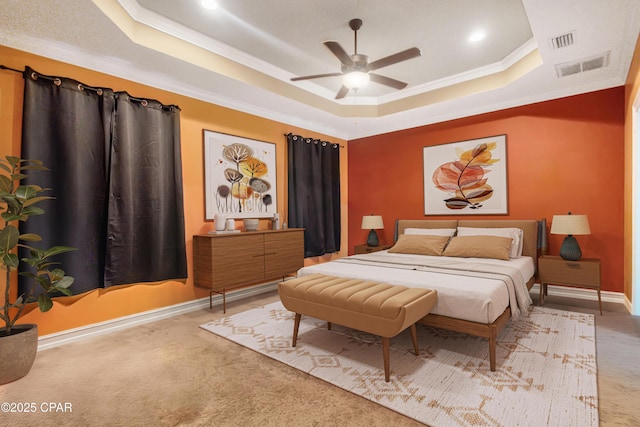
(95, 329)
(581, 293)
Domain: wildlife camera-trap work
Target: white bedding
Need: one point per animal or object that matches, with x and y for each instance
(460, 294)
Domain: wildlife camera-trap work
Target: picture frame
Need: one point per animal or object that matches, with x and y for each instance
(239, 176)
(466, 177)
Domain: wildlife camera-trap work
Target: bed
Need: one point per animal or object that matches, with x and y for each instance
(477, 295)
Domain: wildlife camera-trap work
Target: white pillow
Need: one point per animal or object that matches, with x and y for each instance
(516, 235)
(431, 231)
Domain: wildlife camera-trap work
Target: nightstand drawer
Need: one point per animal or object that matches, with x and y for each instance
(585, 272)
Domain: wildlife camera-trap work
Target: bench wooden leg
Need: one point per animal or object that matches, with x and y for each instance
(385, 356)
(414, 338)
(329, 326)
(493, 342)
(296, 324)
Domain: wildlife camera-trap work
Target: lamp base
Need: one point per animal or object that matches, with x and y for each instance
(372, 239)
(570, 250)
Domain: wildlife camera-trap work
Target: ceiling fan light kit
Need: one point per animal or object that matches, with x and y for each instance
(355, 80)
(356, 69)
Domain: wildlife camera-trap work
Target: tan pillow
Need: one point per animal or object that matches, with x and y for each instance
(420, 244)
(479, 247)
(516, 235)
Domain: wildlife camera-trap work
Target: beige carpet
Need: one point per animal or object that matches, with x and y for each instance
(546, 367)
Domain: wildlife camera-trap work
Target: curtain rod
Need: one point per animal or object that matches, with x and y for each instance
(341, 146)
(57, 81)
(4, 67)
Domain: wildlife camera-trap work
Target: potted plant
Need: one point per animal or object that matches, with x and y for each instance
(19, 342)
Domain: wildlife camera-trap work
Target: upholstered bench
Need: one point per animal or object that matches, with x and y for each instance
(377, 308)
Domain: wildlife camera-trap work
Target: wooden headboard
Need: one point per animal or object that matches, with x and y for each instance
(528, 226)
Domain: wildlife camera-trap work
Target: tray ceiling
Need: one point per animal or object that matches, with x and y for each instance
(243, 54)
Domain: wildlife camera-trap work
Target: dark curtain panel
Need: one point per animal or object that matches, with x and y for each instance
(116, 176)
(145, 230)
(68, 128)
(314, 193)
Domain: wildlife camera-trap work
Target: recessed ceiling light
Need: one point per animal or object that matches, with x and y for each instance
(477, 36)
(209, 4)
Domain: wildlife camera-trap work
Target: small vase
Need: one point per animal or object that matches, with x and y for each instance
(220, 222)
(231, 224)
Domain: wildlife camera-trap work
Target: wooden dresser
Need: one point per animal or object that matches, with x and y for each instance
(222, 262)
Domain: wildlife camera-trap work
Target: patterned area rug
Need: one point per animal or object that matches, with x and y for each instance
(546, 367)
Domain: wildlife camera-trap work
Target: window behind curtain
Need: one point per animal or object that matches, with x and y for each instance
(314, 193)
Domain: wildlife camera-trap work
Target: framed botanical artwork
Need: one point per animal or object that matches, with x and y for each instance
(466, 177)
(239, 177)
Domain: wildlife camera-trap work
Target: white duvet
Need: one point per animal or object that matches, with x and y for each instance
(464, 292)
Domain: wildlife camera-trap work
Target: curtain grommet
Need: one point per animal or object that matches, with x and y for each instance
(144, 103)
(34, 76)
(80, 87)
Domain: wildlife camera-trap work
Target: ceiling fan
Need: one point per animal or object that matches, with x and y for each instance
(356, 68)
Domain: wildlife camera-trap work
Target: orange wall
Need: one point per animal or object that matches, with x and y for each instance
(106, 304)
(632, 92)
(563, 155)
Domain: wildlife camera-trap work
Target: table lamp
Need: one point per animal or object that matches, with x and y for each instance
(373, 223)
(570, 225)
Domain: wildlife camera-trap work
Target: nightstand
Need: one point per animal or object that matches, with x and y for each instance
(553, 270)
(366, 249)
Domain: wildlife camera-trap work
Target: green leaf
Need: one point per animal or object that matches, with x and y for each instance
(24, 163)
(28, 274)
(5, 184)
(31, 210)
(65, 291)
(57, 274)
(13, 160)
(64, 283)
(26, 192)
(4, 166)
(8, 238)
(44, 302)
(36, 200)
(57, 250)
(30, 237)
(13, 203)
(11, 260)
(9, 217)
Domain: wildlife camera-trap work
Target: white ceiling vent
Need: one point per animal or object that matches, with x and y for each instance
(584, 64)
(563, 40)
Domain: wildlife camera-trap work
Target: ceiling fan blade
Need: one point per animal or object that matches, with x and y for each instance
(387, 81)
(315, 76)
(342, 92)
(395, 58)
(340, 53)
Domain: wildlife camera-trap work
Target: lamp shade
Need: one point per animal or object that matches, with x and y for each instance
(372, 222)
(570, 225)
